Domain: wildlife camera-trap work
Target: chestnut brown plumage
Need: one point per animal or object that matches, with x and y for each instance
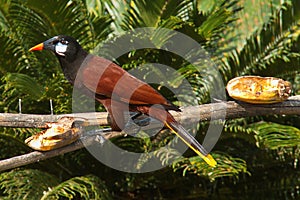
(116, 89)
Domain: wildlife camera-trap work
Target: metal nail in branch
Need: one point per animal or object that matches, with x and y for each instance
(51, 107)
(20, 106)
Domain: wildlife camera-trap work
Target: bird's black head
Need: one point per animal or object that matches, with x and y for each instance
(68, 51)
(63, 46)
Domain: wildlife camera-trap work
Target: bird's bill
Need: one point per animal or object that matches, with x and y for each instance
(38, 47)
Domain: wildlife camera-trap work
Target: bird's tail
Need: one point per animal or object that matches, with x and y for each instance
(175, 127)
(190, 141)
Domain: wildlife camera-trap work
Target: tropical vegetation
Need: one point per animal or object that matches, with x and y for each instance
(258, 157)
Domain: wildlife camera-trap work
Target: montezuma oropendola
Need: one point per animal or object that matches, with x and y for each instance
(115, 88)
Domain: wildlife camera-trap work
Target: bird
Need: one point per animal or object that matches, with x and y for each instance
(116, 89)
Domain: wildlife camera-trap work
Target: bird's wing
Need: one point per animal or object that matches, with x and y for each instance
(108, 79)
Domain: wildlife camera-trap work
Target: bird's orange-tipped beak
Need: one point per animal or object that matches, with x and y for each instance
(38, 47)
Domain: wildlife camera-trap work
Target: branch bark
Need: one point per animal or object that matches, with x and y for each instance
(190, 114)
(37, 156)
(206, 112)
(39, 121)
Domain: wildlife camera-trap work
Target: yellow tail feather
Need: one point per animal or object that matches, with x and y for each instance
(208, 158)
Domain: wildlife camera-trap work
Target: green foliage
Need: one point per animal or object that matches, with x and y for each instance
(160, 10)
(23, 83)
(35, 184)
(275, 136)
(84, 187)
(14, 148)
(268, 49)
(227, 167)
(25, 184)
(18, 36)
(250, 151)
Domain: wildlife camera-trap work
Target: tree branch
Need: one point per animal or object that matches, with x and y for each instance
(36, 156)
(39, 121)
(206, 112)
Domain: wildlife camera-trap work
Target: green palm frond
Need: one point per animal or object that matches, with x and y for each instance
(24, 84)
(237, 126)
(3, 10)
(147, 13)
(206, 6)
(62, 17)
(25, 184)
(12, 48)
(22, 19)
(84, 187)
(211, 23)
(116, 9)
(100, 28)
(217, 20)
(19, 36)
(272, 47)
(162, 35)
(248, 147)
(95, 7)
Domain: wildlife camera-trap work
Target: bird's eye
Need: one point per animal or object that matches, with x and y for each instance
(64, 42)
(61, 47)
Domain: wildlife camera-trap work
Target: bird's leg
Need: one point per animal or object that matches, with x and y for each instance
(140, 119)
(131, 127)
(136, 121)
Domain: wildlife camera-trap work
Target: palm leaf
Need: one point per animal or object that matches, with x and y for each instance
(27, 22)
(3, 10)
(16, 40)
(74, 14)
(218, 20)
(270, 47)
(144, 13)
(95, 7)
(25, 84)
(12, 48)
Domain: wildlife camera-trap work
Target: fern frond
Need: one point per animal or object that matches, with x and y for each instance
(84, 187)
(227, 166)
(25, 184)
(11, 146)
(167, 155)
(274, 136)
(238, 126)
